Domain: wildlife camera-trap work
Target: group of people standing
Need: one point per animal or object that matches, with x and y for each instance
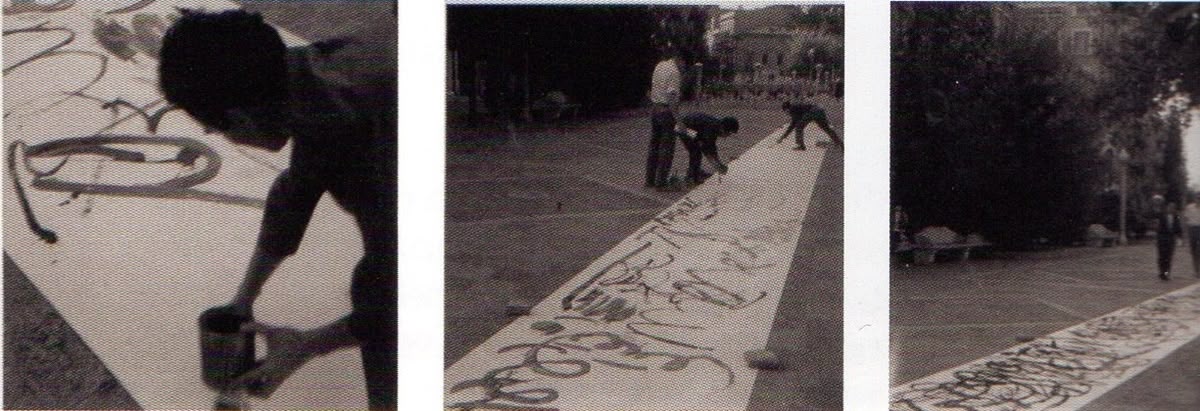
(699, 131)
(1170, 227)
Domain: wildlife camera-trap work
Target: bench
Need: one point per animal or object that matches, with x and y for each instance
(933, 240)
(924, 254)
(554, 106)
(1100, 236)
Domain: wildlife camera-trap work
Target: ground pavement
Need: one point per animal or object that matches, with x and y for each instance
(526, 215)
(1071, 328)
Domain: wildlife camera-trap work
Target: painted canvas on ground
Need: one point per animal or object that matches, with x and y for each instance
(587, 272)
(125, 218)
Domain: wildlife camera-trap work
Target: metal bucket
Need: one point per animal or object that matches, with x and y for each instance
(225, 351)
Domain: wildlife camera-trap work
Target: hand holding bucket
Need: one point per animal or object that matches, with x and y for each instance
(226, 351)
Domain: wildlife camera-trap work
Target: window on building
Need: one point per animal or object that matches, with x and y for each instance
(1082, 43)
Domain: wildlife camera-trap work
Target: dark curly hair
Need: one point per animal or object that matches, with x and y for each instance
(213, 62)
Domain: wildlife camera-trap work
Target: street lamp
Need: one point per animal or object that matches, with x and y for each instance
(1123, 160)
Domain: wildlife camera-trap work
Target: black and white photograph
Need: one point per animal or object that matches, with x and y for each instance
(1044, 218)
(644, 207)
(200, 204)
(539, 205)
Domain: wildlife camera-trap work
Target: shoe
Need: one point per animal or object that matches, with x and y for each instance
(799, 148)
(1165, 276)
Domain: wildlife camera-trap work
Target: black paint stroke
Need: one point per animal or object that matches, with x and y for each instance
(30, 6)
(40, 28)
(495, 383)
(148, 32)
(644, 315)
(1049, 372)
(179, 187)
(654, 230)
(729, 240)
(152, 119)
(114, 38)
(566, 303)
(68, 95)
(703, 290)
(621, 365)
(131, 8)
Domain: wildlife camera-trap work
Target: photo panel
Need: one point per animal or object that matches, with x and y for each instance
(643, 206)
(1044, 230)
(164, 159)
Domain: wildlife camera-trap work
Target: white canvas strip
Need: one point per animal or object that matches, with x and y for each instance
(132, 274)
(1067, 369)
(662, 321)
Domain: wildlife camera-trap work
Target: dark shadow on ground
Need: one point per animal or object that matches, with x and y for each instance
(46, 364)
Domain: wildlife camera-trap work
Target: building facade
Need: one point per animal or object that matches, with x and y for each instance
(768, 44)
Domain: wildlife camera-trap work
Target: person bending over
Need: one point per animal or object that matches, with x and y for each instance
(699, 133)
(231, 72)
(802, 114)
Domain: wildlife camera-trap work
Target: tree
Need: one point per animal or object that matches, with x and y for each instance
(601, 56)
(1151, 62)
(682, 28)
(826, 51)
(826, 18)
(986, 137)
(1152, 55)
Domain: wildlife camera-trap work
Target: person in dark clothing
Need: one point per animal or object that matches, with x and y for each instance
(699, 133)
(662, 147)
(1170, 228)
(664, 96)
(232, 73)
(802, 114)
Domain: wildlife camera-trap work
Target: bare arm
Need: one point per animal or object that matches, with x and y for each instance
(791, 126)
(289, 208)
(715, 159)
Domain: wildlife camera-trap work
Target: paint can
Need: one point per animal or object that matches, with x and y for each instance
(225, 350)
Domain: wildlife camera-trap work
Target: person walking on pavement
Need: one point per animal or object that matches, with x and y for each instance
(664, 96)
(1191, 216)
(900, 221)
(699, 133)
(1169, 228)
(803, 113)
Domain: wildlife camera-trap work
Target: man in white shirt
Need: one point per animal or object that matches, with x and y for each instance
(664, 96)
(1191, 216)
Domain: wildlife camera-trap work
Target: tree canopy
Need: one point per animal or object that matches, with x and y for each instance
(997, 130)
